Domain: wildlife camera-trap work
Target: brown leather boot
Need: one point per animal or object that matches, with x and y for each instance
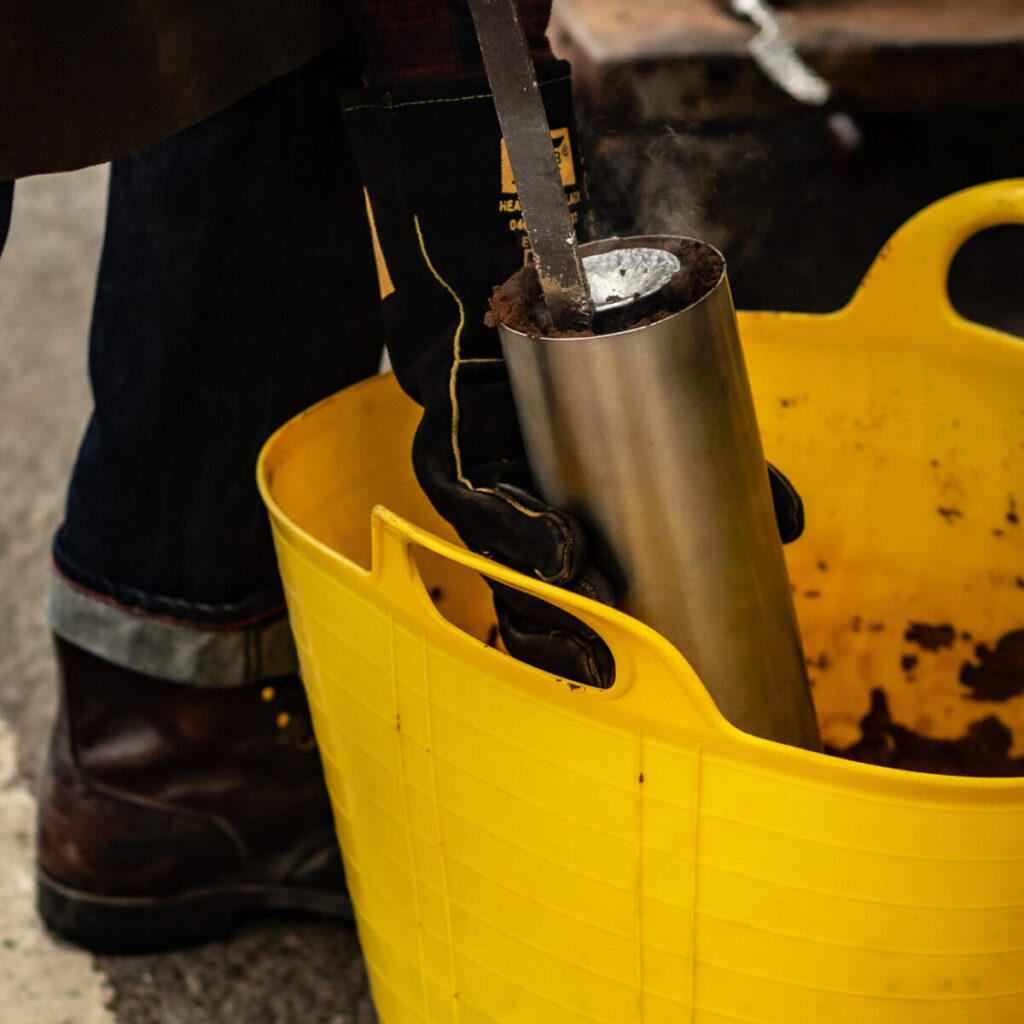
(166, 810)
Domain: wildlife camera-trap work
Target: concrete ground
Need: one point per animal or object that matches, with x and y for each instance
(271, 972)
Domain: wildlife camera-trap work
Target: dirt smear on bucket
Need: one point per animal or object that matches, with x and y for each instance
(982, 752)
(996, 675)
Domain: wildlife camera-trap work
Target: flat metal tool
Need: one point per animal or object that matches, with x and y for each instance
(776, 57)
(531, 155)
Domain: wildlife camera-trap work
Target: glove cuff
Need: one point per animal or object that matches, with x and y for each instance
(442, 201)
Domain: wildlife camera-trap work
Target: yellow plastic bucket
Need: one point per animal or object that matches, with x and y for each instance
(523, 849)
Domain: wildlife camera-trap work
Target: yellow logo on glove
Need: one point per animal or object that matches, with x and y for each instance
(563, 154)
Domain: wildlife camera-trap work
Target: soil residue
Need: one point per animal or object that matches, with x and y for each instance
(518, 302)
(982, 752)
(930, 638)
(999, 674)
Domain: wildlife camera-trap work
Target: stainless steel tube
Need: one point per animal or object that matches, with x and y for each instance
(649, 436)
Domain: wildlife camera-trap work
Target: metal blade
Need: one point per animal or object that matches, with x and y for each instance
(775, 56)
(531, 155)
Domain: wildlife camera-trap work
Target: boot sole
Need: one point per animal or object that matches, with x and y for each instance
(110, 924)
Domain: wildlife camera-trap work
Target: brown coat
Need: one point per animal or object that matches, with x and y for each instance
(82, 83)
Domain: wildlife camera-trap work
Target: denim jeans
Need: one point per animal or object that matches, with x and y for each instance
(236, 286)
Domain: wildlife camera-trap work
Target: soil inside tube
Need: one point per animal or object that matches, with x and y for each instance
(516, 302)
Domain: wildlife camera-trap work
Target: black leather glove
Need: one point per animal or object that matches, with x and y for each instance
(6, 201)
(448, 229)
(789, 507)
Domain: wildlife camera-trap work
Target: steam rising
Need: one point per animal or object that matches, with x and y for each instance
(668, 180)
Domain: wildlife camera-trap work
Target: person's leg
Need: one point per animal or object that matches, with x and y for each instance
(236, 287)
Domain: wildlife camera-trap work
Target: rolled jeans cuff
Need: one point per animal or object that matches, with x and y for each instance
(211, 656)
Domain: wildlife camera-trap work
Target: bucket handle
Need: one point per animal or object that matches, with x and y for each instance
(913, 266)
(651, 677)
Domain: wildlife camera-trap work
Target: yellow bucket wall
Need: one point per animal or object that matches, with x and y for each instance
(522, 849)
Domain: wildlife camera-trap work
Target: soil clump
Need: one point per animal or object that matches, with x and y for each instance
(982, 752)
(930, 638)
(999, 674)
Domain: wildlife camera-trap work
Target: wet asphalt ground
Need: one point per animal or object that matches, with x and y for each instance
(271, 971)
